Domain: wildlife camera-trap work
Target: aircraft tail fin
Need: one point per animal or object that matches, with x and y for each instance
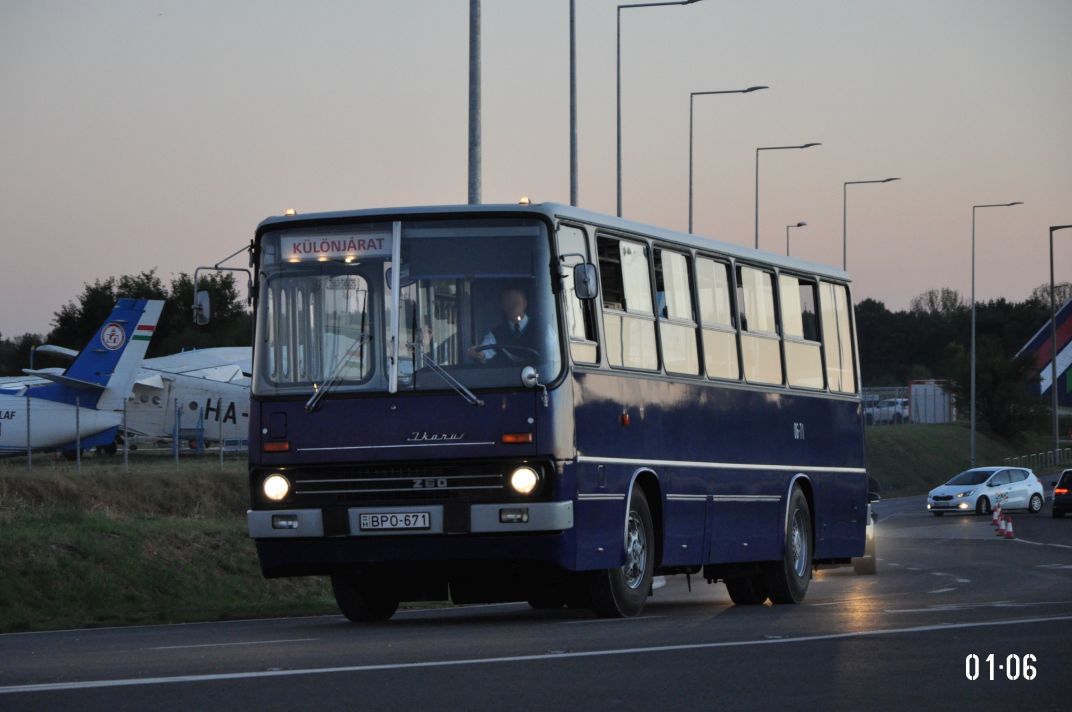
(111, 359)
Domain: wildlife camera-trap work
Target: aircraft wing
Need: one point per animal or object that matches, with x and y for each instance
(76, 383)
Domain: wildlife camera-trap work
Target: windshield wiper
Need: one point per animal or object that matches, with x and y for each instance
(336, 373)
(426, 360)
(335, 377)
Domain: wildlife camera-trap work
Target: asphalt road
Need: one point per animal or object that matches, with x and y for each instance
(946, 588)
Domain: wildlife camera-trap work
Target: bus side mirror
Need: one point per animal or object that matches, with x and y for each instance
(585, 284)
(202, 307)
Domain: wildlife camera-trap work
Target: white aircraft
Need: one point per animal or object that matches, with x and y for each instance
(81, 406)
(211, 387)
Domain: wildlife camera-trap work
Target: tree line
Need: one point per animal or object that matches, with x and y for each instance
(932, 339)
(77, 321)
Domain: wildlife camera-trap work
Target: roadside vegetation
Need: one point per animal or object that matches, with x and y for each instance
(154, 545)
(913, 459)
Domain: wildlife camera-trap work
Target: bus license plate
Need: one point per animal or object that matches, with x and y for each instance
(395, 520)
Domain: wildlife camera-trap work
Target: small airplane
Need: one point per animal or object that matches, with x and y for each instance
(81, 406)
(210, 388)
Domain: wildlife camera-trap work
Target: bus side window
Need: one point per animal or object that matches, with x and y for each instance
(717, 320)
(800, 327)
(677, 325)
(628, 319)
(583, 345)
(759, 326)
(837, 333)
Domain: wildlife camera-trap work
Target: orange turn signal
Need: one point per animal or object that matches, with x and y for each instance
(278, 446)
(516, 438)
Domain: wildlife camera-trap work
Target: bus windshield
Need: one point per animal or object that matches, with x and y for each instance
(474, 300)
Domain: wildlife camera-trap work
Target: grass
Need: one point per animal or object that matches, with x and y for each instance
(106, 547)
(913, 459)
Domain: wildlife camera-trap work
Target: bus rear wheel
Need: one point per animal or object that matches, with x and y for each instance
(622, 592)
(788, 579)
(364, 599)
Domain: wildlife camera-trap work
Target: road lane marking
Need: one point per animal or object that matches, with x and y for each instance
(129, 682)
(946, 607)
(224, 645)
(943, 590)
(610, 620)
(1042, 543)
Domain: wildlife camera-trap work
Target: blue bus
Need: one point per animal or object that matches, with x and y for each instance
(541, 403)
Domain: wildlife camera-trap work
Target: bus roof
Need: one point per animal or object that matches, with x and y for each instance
(557, 210)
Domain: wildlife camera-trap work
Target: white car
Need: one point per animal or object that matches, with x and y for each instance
(891, 410)
(981, 489)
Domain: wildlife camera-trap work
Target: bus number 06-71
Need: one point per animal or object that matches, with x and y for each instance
(1014, 666)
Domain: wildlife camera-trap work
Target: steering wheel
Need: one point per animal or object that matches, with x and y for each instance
(508, 348)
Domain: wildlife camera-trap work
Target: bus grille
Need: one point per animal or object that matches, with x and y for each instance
(407, 482)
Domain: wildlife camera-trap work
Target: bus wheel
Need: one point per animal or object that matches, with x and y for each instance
(788, 579)
(747, 590)
(363, 599)
(621, 592)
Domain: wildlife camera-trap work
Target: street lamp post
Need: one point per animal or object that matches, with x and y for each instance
(1053, 345)
(771, 148)
(844, 215)
(799, 224)
(974, 208)
(692, 96)
(573, 103)
(618, 62)
(474, 103)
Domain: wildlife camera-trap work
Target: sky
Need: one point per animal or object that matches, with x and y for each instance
(142, 134)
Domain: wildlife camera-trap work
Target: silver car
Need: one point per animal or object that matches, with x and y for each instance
(981, 489)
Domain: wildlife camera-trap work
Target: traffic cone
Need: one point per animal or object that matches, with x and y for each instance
(1008, 530)
(996, 515)
(1001, 527)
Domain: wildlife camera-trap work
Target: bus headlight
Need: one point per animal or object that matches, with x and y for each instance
(524, 480)
(276, 487)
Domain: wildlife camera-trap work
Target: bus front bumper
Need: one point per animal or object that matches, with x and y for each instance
(413, 520)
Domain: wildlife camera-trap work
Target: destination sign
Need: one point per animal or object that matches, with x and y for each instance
(335, 247)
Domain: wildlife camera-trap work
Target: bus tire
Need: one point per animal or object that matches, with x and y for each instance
(621, 592)
(363, 599)
(747, 590)
(788, 579)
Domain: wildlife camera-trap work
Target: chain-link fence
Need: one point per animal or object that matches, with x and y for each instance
(56, 432)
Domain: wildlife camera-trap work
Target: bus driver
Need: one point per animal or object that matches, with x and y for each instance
(516, 330)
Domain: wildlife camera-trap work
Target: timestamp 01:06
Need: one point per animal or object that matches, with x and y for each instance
(1012, 667)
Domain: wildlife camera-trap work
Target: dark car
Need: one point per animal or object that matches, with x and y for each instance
(1062, 494)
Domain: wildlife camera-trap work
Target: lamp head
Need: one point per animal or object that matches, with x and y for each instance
(809, 145)
(752, 89)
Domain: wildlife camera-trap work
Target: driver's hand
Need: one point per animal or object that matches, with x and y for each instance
(477, 354)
